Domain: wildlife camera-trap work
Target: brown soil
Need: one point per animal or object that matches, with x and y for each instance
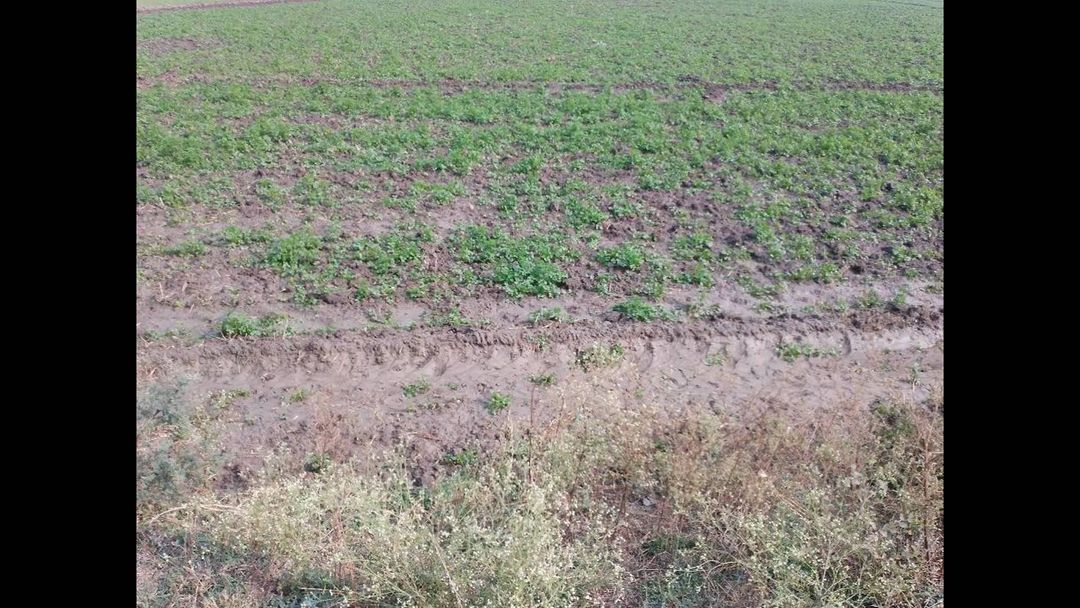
(355, 379)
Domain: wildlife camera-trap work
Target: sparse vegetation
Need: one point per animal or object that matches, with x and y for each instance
(637, 309)
(317, 462)
(450, 318)
(549, 315)
(790, 351)
(599, 356)
(238, 325)
(718, 359)
(869, 299)
(416, 388)
(225, 398)
(521, 266)
(793, 517)
(622, 257)
(173, 455)
(498, 402)
(462, 458)
(547, 379)
(191, 249)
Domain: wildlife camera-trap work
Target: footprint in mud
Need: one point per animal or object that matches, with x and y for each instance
(496, 358)
(685, 379)
(441, 365)
(437, 361)
(740, 357)
(704, 347)
(423, 361)
(646, 358)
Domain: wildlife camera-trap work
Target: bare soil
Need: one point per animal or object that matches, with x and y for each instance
(353, 380)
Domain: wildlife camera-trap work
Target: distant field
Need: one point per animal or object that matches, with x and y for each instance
(450, 229)
(139, 4)
(156, 3)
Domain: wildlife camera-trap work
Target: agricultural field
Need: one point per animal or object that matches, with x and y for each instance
(148, 6)
(544, 303)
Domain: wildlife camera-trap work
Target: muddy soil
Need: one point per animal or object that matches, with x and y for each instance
(354, 397)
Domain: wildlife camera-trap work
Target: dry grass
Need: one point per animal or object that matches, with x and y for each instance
(619, 508)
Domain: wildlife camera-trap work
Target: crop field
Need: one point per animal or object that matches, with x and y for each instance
(543, 303)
